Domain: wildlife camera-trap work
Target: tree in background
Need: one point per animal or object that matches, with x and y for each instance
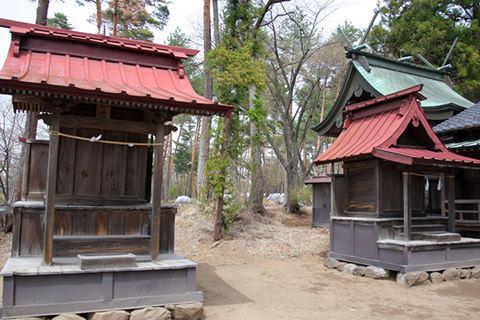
(98, 12)
(11, 127)
(429, 27)
(60, 21)
(297, 73)
(234, 71)
(133, 18)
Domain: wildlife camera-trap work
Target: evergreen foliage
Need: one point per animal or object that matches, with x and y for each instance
(60, 21)
(429, 27)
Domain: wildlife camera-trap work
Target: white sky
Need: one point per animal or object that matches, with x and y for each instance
(185, 14)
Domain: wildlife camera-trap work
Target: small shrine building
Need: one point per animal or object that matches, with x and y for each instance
(386, 207)
(90, 232)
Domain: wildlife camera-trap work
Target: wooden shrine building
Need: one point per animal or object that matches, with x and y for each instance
(397, 173)
(90, 232)
(370, 76)
(461, 134)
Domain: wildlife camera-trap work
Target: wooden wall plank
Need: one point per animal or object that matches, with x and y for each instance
(80, 222)
(63, 223)
(88, 160)
(71, 246)
(66, 163)
(114, 164)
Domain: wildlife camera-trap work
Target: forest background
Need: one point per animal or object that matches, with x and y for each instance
(280, 63)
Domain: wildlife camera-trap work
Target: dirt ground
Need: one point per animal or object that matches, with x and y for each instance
(271, 267)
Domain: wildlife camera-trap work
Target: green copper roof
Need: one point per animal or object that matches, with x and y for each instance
(379, 76)
(386, 81)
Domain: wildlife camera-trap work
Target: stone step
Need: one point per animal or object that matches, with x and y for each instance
(423, 227)
(437, 236)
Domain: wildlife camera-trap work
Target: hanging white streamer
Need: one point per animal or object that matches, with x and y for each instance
(439, 187)
(427, 184)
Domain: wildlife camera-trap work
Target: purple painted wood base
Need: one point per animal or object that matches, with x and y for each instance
(32, 289)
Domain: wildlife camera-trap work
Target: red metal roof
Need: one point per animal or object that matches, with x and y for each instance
(373, 128)
(70, 64)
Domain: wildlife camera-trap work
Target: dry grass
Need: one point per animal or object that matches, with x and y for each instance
(276, 234)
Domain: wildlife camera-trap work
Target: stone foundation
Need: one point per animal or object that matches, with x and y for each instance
(408, 279)
(191, 311)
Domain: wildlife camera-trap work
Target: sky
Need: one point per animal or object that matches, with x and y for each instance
(184, 14)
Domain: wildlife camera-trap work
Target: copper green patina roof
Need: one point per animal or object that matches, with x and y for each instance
(370, 76)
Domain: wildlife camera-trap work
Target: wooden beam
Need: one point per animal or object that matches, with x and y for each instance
(156, 192)
(50, 193)
(451, 202)
(407, 206)
(70, 121)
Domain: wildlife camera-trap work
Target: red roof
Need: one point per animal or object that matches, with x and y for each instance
(79, 65)
(378, 128)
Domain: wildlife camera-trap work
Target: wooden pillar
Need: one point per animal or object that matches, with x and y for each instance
(50, 193)
(156, 192)
(407, 206)
(451, 202)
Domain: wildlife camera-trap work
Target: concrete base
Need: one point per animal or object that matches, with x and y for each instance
(33, 289)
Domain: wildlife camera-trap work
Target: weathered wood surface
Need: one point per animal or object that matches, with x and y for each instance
(50, 194)
(92, 172)
(361, 187)
(68, 246)
(78, 222)
(156, 193)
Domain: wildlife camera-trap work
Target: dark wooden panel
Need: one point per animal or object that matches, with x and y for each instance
(116, 222)
(101, 223)
(132, 223)
(88, 165)
(31, 233)
(392, 181)
(63, 223)
(114, 165)
(80, 224)
(136, 175)
(167, 228)
(65, 246)
(361, 189)
(66, 163)
(37, 180)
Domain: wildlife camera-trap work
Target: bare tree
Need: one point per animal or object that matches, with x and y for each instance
(11, 128)
(296, 76)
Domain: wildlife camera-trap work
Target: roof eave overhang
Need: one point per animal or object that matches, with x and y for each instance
(14, 87)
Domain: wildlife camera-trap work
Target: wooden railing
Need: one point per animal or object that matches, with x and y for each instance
(467, 213)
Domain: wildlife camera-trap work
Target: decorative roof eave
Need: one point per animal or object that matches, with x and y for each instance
(72, 65)
(397, 65)
(124, 100)
(23, 28)
(433, 110)
(373, 129)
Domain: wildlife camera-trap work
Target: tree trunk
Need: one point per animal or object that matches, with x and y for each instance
(216, 24)
(42, 12)
(194, 155)
(206, 121)
(218, 224)
(115, 17)
(99, 16)
(256, 184)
